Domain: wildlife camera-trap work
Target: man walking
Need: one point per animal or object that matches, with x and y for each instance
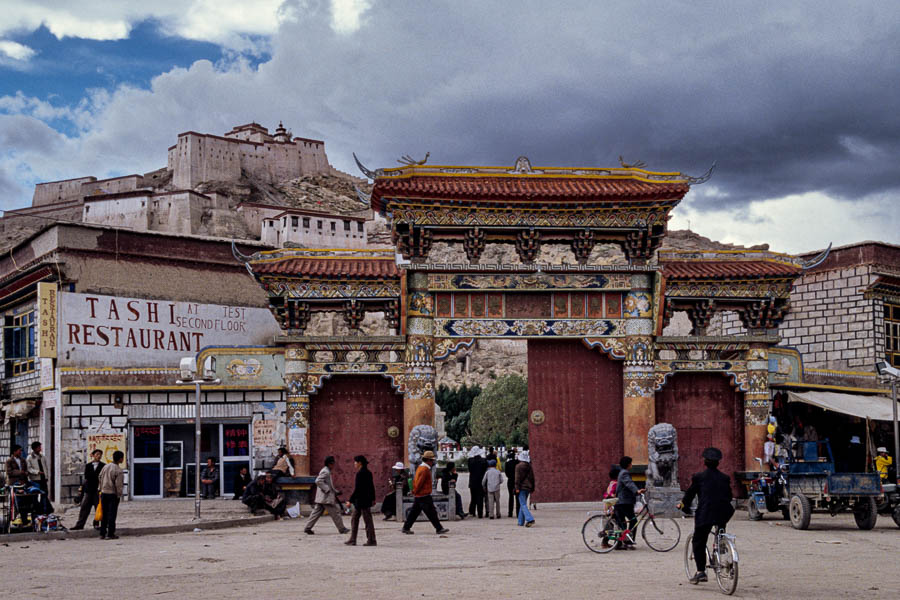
(626, 497)
(422, 492)
(90, 489)
(326, 498)
(16, 469)
(37, 467)
(362, 499)
(510, 470)
(112, 481)
(491, 483)
(524, 486)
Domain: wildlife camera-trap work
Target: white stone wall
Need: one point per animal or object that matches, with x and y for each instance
(119, 212)
(726, 323)
(831, 324)
(59, 191)
(290, 229)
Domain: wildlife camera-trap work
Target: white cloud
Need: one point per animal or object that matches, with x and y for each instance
(796, 223)
(218, 21)
(15, 50)
(346, 15)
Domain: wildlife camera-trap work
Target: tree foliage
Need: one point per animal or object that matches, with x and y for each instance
(457, 406)
(500, 413)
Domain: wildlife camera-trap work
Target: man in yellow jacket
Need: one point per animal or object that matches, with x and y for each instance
(882, 462)
(422, 491)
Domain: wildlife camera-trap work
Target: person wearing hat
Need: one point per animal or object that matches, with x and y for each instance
(769, 452)
(422, 492)
(712, 488)
(362, 499)
(477, 468)
(509, 468)
(491, 483)
(389, 504)
(882, 462)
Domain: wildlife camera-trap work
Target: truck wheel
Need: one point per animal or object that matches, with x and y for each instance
(896, 516)
(866, 513)
(800, 511)
(752, 511)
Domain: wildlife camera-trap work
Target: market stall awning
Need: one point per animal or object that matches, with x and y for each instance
(18, 409)
(871, 407)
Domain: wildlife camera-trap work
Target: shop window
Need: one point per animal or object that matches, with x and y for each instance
(19, 344)
(892, 333)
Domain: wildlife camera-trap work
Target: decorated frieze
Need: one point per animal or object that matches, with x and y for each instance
(445, 347)
(474, 216)
(638, 305)
(421, 304)
(527, 268)
(527, 327)
(418, 385)
(554, 305)
(614, 347)
(529, 281)
(777, 288)
(328, 289)
(419, 351)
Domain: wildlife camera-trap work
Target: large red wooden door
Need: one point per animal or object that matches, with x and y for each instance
(706, 411)
(580, 393)
(350, 416)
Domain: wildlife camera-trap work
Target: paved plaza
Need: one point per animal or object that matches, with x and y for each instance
(479, 558)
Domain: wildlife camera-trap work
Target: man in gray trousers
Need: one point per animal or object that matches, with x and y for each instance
(326, 497)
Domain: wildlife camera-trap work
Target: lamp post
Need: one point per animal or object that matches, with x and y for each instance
(189, 377)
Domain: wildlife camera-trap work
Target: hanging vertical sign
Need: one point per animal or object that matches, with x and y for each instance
(46, 320)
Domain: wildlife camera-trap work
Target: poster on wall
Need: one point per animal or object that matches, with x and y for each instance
(264, 433)
(108, 443)
(99, 330)
(297, 438)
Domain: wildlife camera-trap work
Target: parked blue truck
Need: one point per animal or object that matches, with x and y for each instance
(807, 483)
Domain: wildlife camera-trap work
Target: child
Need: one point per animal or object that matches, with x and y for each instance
(491, 482)
(609, 498)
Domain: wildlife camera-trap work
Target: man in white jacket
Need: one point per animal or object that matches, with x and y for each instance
(326, 497)
(491, 483)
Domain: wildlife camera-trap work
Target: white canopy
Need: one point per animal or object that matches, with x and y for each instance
(872, 407)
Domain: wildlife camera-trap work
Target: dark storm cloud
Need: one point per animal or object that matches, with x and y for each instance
(786, 99)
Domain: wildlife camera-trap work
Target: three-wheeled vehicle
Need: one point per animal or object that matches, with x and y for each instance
(807, 482)
(890, 503)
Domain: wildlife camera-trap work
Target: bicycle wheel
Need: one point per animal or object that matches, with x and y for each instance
(661, 534)
(597, 530)
(727, 568)
(689, 565)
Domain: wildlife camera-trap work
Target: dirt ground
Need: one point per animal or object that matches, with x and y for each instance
(478, 558)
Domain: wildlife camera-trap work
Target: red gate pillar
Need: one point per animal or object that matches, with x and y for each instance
(418, 397)
(757, 404)
(639, 411)
(297, 414)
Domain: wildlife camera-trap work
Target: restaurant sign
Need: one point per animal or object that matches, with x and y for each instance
(96, 330)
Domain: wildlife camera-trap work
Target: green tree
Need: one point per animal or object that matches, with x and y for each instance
(456, 404)
(500, 413)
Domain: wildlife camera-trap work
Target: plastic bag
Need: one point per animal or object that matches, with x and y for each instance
(294, 511)
(99, 514)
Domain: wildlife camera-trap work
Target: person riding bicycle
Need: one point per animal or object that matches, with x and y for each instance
(713, 491)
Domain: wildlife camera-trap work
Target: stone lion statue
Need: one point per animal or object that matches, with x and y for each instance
(662, 449)
(421, 438)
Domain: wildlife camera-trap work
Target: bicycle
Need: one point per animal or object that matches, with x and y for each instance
(721, 557)
(602, 534)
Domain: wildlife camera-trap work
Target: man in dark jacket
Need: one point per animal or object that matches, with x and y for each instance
(253, 494)
(450, 475)
(509, 469)
(712, 488)
(241, 480)
(362, 499)
(626, 497)
(90, 489)
(477, 468)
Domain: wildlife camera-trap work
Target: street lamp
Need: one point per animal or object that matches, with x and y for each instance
(887, 371)
(189, 377)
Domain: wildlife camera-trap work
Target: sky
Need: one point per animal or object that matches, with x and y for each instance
(796, 103)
